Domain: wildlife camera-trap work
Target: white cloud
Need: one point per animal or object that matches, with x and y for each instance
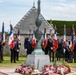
(60, 0)
(50, 9)
(17, 1)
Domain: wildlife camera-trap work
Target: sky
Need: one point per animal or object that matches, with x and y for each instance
(13, 10)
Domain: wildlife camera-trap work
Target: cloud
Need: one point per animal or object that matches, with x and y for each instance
(14, 10)
(60, 0)
(63, 11)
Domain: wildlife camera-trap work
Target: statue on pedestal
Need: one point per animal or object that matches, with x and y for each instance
(38, 33)
(38, 58)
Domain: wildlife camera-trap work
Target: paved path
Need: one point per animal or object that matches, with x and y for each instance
(8, 71)
(11, 71)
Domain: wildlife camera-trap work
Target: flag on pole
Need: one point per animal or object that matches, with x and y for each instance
(30, 30)
(64, 41)
(3, 34)
(11, 38)
(71, 46)
(55, 41)
(34, 40)
(19, 37)
(45, 41)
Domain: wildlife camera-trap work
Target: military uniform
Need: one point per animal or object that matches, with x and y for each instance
(50, 51)
(28, 45)
(14, 56)
(16, 48)
(66, 52)
(59, 50)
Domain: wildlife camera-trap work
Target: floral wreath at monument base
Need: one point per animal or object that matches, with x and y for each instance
(54, 68)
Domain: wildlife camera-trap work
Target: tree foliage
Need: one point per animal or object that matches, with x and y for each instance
(60, 26)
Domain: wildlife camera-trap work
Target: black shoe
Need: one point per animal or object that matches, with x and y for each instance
(15, 62)
(0, 61)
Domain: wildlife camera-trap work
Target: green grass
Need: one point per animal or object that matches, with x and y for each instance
(7, 62)
(73, 65)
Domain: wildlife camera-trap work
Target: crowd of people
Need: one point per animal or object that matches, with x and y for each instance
(63, 51)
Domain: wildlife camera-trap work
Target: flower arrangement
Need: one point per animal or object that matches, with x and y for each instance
(46, 70)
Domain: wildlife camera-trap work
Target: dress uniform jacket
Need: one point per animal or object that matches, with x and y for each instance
(28, 45)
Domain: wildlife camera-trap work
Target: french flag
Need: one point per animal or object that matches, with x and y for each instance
(71, 46)
(45, 39)
(55, 41)
(34, 40)
(3, 34)
(19, 37)
(64, 42)
(11, 38)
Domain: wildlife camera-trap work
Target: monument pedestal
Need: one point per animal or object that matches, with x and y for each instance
(38, 61)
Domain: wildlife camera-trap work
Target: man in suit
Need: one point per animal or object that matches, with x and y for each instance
(28, 45)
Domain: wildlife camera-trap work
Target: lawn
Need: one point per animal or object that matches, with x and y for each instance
(73, 65)
(7, 62)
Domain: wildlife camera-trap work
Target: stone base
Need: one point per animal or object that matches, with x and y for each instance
(38, 61)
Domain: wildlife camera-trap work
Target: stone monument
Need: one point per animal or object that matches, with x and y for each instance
(38, 58)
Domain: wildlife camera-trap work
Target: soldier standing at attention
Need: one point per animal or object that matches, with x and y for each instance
(16, 48)
(59, 50)
(50, 51)
(28, 45)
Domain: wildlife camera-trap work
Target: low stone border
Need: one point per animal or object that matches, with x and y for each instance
(1, 73)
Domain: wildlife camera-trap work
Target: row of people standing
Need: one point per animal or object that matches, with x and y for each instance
(14, 51)
(63, 50)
